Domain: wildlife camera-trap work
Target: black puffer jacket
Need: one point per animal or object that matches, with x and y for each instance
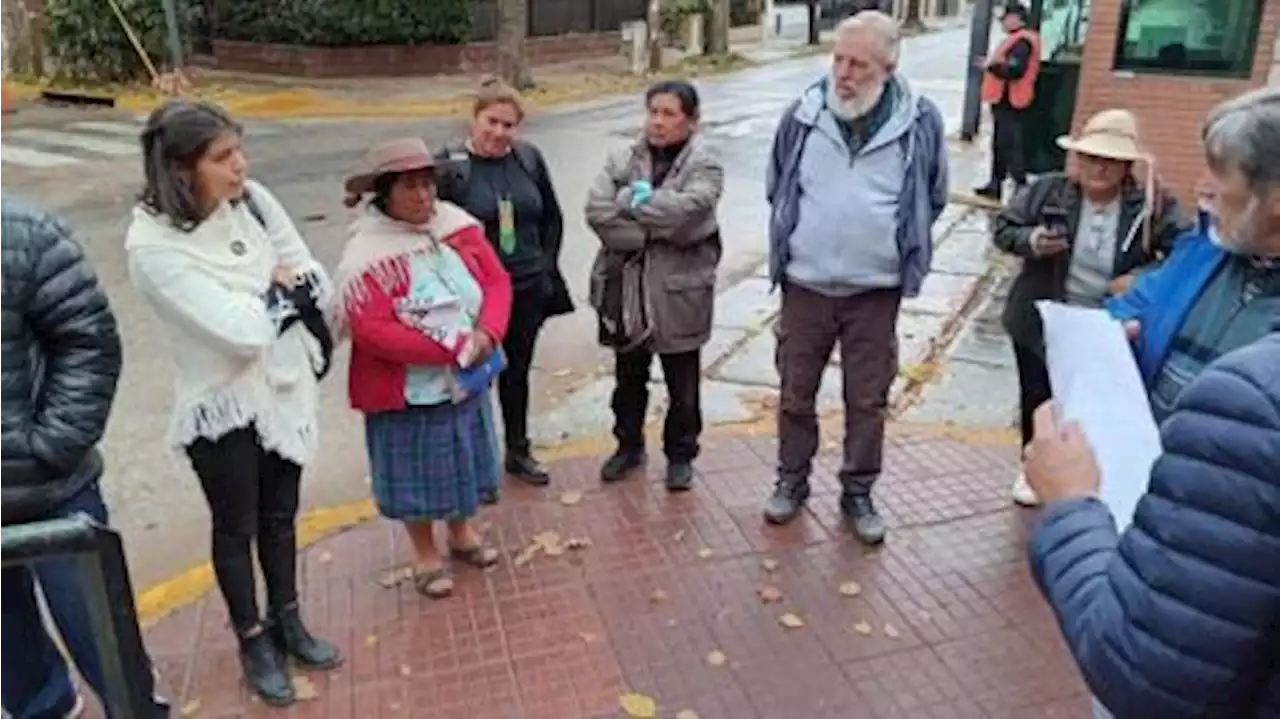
(61, 358)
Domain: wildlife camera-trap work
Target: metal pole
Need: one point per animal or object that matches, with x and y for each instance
(175, 39)
(979, 42)
(813, 22)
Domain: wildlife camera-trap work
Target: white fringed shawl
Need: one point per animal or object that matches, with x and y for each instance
(379, 250)
(234, 369)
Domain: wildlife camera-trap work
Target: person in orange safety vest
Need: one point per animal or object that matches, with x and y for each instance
(1008, 85)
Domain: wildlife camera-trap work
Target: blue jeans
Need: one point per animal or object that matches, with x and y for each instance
(37, 682)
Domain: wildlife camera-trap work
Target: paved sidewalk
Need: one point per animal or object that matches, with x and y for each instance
(669, 598)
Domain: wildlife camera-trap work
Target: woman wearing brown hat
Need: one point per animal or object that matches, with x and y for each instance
(426, 304)
(1081, 236)
(503, 181)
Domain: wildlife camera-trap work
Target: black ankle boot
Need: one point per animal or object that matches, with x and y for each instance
(265, 671)
(292, 639)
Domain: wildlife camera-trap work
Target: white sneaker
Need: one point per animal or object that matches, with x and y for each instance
(1022, 492)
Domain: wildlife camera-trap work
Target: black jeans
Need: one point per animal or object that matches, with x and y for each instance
(1033, 388)
(1008, 148)
(528, 311)
(252, 494)
(682, 374)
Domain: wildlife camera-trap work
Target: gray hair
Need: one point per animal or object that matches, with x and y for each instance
(176, 136)
(1243, 134)
(879, 24)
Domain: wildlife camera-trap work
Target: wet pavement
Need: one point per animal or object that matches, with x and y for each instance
(155, 500)
(689, 600)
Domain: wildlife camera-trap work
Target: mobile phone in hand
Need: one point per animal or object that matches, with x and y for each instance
(1055, 220)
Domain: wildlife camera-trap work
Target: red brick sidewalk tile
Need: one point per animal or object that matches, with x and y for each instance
(668, 600)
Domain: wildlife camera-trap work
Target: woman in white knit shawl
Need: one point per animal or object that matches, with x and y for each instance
(223, 265)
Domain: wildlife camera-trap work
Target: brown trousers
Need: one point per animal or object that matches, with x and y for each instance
(865, 326)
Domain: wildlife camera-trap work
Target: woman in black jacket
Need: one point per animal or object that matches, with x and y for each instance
(1081, 236)
(503, 181)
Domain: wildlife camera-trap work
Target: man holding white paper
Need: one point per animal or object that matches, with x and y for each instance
(1175, 617)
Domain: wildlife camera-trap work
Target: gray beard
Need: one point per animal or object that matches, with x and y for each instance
(854, 107)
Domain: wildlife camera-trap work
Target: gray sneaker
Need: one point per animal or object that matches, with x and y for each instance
(785, 503)
(868, 525)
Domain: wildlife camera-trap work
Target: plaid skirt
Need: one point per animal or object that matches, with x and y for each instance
(431, 463)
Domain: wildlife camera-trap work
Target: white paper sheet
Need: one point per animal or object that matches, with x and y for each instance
(1096, 383)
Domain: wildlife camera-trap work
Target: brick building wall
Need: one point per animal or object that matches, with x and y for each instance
(1170, 108)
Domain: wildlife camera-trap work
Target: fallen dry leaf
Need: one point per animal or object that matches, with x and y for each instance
(405, 670)
(769, 564)
(862, 628)
(325, 557)
(638, 706)
(577, 543)
(678, 536)
(588, 637)
(673, 622)
(191, 708)
(370, 640)
(546, 539)
(526, 555)
(851, 589)
(571, 497)
(717, 658)
(769, 595)
(562, 373)
(687, 714)
(394, 706)
(555, 550)
(705, 553)
(791, 621)
(891, 631)
(304, 689)
(657, 596)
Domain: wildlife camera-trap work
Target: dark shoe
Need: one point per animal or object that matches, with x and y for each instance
(990, 192)
(265, 671)
(623, 462)
(489, 496)
(867, 522)
(525, 468)
(679, 476)
(291, 637)
(785, 503)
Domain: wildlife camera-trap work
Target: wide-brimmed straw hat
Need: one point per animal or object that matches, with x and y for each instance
(1110, 134)
(404, 155)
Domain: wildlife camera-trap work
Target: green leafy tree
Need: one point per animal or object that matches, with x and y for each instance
(86, 41)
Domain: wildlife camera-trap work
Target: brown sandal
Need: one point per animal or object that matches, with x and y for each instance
(434, 583)
(479, 555)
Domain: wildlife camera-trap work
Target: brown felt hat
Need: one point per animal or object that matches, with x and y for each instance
(403, 155)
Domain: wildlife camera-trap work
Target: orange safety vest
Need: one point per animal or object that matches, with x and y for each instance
(1023, 90)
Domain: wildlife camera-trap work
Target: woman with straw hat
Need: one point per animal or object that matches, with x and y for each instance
(1081, 236)
(426, 303)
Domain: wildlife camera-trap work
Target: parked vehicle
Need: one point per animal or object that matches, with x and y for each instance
(831, 12)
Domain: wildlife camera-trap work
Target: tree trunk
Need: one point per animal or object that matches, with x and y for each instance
(812, 7)
(653, 30)
(513, 57)
(718, 33)
(19, 52)
(913, 22)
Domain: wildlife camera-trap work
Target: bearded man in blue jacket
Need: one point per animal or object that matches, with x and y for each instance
(1179, 617)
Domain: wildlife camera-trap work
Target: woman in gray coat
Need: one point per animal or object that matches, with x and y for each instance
(653, 283)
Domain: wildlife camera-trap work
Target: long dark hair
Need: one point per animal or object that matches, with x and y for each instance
(177, 135)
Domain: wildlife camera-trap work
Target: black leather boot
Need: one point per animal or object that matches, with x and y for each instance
(293, 640)
(265, 671)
